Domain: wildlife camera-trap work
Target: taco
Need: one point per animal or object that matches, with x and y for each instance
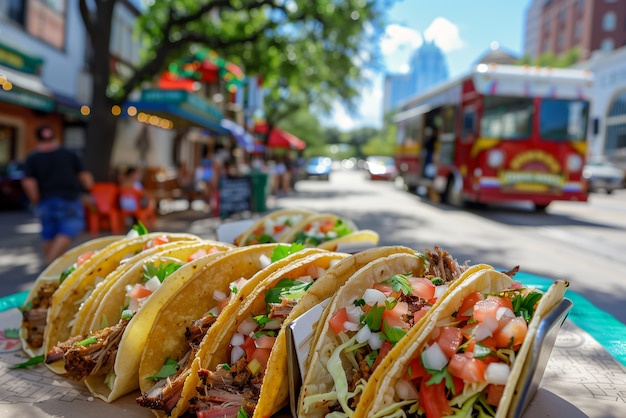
(241, 367)
(93, 357)
(78, 286)
(35, 308)
(271, 227)
(218, 290)
(143, 274)
(366, 318)
(328, 231)
(467, 358)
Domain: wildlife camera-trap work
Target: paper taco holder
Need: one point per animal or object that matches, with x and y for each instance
(300, 332)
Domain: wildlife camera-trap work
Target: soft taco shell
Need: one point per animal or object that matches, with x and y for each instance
(135, 335)
(376, 398)
(110, 295)
(79, 284)
(275, 388)
(295, 216)
(51, 276)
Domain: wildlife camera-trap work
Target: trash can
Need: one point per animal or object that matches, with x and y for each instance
(259, 191)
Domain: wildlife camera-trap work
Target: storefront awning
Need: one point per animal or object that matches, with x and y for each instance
(244, 139)
(24, 90)
(181, 107)
(280, 139)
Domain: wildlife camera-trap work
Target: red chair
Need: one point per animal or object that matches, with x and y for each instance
(105, 212)
(134, 203)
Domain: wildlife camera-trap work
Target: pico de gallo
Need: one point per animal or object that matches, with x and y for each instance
(466, 361)
(368, 327)
(319, 231)
(272, 229)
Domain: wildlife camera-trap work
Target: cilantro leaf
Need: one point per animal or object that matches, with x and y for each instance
(30, 362)
(359, 302)
(86, 342)
(261, 320)
(374, 318)
(66, 273)
(140, 228)
(342, 228)
(287, 289)
(162, 272)
(371, 358)
(11, 333)
(265, 239)
(524, 306)
(400, 282)
(283, 251)
(438, 375)
(169, 368)
(242, 412)
(393, 334)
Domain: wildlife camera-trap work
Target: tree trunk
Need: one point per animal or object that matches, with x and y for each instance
(100, 138)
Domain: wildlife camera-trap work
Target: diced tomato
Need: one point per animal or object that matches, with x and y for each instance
(385, 288)
(84, 257)
(488, 342)
(466, 367)
(393, 317)
(458, 384)
(338, 320)
(468, 330)
(259, 230)
(327, 226)
(494, 393)
(248, 346)
(486, 308)
(449, 340)
(139, 291)
(503, 301)
(433, 399)
(415, 370)
(467, 307)
(382, 352)
(312, 271)
(420, 314)
(514, 330)
(265, 341)
(262, 355)
(423, 288)
(279, 228)
(222, 304)
(198, 254)
(160, 240)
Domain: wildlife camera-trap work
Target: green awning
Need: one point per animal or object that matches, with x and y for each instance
(24, 90)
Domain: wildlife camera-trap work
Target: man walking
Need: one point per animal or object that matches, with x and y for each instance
(55, 178)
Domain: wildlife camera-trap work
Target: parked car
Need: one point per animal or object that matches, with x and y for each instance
(318, 167)
(603, 175)
(380, 168)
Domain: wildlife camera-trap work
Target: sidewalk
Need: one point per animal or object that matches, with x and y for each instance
(21, 258)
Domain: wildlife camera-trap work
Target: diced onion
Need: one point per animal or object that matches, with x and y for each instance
(305, 279)
(320, 271)
(440, 290)
(236, 353)
(265, 260)
(504, 312)
(218, 295)
(237, 339)
(273, 324)
(434, 358)
(405, 390)
(364, 334)
(374, 341)
(331, 234)
(351, 326)
(214, 310)
(247, 326)
(482, 331)
(153, 284)
(132, 234)
(374, 296)
(354, 313)
(497, 373)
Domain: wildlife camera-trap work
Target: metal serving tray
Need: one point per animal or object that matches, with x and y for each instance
(300, 332)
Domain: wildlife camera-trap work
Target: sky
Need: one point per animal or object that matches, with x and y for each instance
(463, 29)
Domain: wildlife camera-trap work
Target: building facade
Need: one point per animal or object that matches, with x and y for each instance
(557, 26)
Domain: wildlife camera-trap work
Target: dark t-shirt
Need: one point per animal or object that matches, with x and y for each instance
(56, 173)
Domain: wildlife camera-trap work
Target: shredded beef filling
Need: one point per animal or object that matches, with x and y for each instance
(93, 359)
(443, 265)
(34, 318)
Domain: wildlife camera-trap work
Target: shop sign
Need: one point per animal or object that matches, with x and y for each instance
(184, 100)
(23, 98)
(17, 60)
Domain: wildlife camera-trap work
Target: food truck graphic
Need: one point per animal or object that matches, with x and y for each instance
(499, 133)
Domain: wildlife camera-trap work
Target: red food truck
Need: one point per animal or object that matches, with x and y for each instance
(500, 133)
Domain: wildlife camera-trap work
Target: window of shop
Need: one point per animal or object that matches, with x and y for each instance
(7, 146)
(14, 10)
(45, 19)
(609, 22)
(607, 45)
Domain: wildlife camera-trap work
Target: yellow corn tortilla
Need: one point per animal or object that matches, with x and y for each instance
(109, 296)
(379, 394)
(77, 287)
(214, 349)
(364, 235)
(317, 379)
(52, 274)
(294, 215)
(195, 298)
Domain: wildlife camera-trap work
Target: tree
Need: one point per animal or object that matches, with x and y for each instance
(308, 51)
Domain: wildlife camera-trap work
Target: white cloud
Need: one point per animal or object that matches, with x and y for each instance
(398, 37)
(445, 34)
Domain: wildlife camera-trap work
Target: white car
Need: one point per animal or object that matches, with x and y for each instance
(603, 175)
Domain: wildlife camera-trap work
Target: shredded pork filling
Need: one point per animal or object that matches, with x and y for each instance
(34, 318)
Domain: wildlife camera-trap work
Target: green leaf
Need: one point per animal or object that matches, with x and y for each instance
(342, 228)
(261, 320)
(400, 282)
(66, 273)
(30, 362)
(371, 358)
(437, 281)
(265, 239)
(242, 412)
(128, 314)
(162, 272)
(524, 306)
(287, 289)
(169, 368)
(140, 228)
(225, 366)
(87, 341)
(12, 333)
(283, 251)
(390, 303)
(374, 318)
(481, 351)
(359, 302)
(304, 239)
(438, 375)
(393, 334)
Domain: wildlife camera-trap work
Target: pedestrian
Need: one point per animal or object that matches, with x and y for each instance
(54, 181)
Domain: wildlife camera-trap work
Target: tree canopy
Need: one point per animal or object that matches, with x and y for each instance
(310, 53)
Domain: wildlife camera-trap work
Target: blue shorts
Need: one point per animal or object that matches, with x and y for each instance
(60, 216)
